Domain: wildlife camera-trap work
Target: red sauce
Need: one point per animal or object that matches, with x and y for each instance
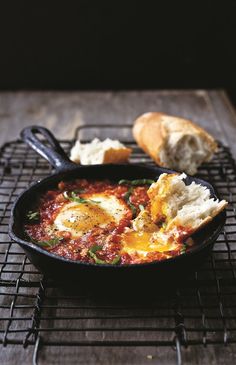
(100, 244)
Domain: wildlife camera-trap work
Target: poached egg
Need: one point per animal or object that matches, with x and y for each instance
(142, 243)
(99, 210)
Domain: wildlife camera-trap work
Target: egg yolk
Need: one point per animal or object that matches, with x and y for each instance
(84, 217)
(137, 240)
(143, 242)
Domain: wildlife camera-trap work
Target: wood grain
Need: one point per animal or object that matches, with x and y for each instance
(62, 112)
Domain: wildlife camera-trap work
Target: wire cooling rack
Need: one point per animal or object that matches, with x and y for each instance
(35, 311)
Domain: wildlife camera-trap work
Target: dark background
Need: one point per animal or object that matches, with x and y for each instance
(118, 45)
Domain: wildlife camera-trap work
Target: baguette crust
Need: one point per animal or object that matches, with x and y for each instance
(213, 215)
(194, 228)
(152, 132)
(114, 155)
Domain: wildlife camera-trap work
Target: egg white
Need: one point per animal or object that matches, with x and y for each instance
(99, 211)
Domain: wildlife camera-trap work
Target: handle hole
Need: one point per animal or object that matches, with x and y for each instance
(40, 137)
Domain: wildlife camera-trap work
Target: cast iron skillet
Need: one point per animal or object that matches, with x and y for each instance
(59, 267)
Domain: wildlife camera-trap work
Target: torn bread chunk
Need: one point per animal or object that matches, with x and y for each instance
(175, 211)
(174, 142)
(178, 205)
(100, 152)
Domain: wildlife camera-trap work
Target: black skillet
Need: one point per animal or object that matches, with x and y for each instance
(103, 275)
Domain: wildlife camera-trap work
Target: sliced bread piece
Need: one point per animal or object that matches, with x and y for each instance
(100, 152)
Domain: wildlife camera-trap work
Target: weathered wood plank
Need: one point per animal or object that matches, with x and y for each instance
(62, 112)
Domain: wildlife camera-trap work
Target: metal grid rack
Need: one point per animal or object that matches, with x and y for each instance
(35, 311)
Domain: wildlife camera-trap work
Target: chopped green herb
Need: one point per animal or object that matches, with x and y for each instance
(116, 260)
(133, 208)
(127, 199)
(33, 216)
(75, 198)
(136, 182)
(95, 248)
(141, 207)
(124, 182)
(92, 253)
(96, 259)
(183, 249)
(128, 194)
(50, 243)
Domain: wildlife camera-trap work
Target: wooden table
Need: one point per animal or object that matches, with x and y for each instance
(62, 112)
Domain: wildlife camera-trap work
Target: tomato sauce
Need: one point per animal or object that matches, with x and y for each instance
(101, 245)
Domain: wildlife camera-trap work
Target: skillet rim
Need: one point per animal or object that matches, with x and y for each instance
(159, 170)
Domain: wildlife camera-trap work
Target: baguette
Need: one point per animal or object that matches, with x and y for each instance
(100, 152)
(173, 142)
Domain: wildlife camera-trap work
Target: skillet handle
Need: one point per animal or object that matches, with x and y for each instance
(53, 153)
